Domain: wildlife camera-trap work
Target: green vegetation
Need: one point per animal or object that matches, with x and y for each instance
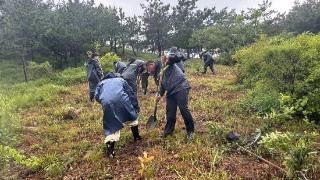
(269, 92)
(60, 133)
(282, 64)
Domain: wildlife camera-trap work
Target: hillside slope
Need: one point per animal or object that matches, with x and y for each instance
(67, 134)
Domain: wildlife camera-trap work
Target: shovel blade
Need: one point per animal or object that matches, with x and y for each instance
(152, 123)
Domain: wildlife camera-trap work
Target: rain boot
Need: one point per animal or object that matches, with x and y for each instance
(135, 133)
(110, 149)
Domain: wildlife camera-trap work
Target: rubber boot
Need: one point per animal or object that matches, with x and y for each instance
(110, 149)
(135, 133)
(190, 135)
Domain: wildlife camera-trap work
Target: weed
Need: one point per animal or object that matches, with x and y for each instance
(32, 162)
(146, 168)
(297, 152)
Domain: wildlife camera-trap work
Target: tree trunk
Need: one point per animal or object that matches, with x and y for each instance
(123, 48)
(159, 44)
(24, 65)
(153, 48)
(134, 52)
(111, 44)
(115, 46)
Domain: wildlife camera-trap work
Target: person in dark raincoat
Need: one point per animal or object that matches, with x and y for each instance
(154, 70)
(119, 66)
(94, 73)
(120, 106)
(134, 68)
(208, 62)
(176, 86)
(180, 57)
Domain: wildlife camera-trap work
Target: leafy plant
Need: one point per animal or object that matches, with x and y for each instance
(107, 61)
(32, 162)
(300, 158)
(274, 142)
(146, 168)
(297, 153)
(215, 129)
(282, 64)
(41, 70)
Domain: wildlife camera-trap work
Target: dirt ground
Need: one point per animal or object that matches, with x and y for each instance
(69, 134)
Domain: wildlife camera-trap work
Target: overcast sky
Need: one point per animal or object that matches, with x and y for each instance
(132, 7)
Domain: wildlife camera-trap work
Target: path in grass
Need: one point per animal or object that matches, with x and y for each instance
(69, 134)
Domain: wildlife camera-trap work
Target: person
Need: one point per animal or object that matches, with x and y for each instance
(208, 62)
(180, 57)
(134, 68)
(153, 68)
(176, 86)
(119, 66)
(120, 106)
(94, 73)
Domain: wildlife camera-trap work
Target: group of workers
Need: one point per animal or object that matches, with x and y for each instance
(117, 92)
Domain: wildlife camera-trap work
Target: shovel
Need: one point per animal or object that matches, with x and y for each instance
(152, 121)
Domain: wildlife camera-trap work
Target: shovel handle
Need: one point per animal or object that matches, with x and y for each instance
(155, 108)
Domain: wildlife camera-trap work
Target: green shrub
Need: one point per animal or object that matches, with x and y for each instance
(301, 157)
(107, 61)
(284, 64)
(275, 142)
(225, 59)
(297, 152)
(42, 70)
(260, 99)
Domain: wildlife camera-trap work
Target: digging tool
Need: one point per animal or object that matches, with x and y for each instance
(152, 121)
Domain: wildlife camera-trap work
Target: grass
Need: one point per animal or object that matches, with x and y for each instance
(56, 123)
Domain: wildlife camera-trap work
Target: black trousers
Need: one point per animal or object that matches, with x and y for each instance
(179, 99)
(144, 82)
(206, 67)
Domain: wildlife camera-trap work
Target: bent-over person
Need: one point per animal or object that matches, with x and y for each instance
(120, 107)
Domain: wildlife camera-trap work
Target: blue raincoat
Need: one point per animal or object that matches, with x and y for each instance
(118, 101)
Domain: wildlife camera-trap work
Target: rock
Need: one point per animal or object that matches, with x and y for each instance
(71, 113)
(233, 136)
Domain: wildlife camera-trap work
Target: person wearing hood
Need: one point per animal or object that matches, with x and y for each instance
(176, 86)
(119, 66)
(120, 107)
(155, 67)
(180, 58)
(94, 73)
(134, 68)
(208, 62)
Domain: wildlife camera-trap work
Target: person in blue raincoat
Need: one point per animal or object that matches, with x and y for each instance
(133, 70)
(208, 62)
(155, 69)
(175, 85)
(180, 57)
(120, 107)
(119, 66)
(94, 73)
